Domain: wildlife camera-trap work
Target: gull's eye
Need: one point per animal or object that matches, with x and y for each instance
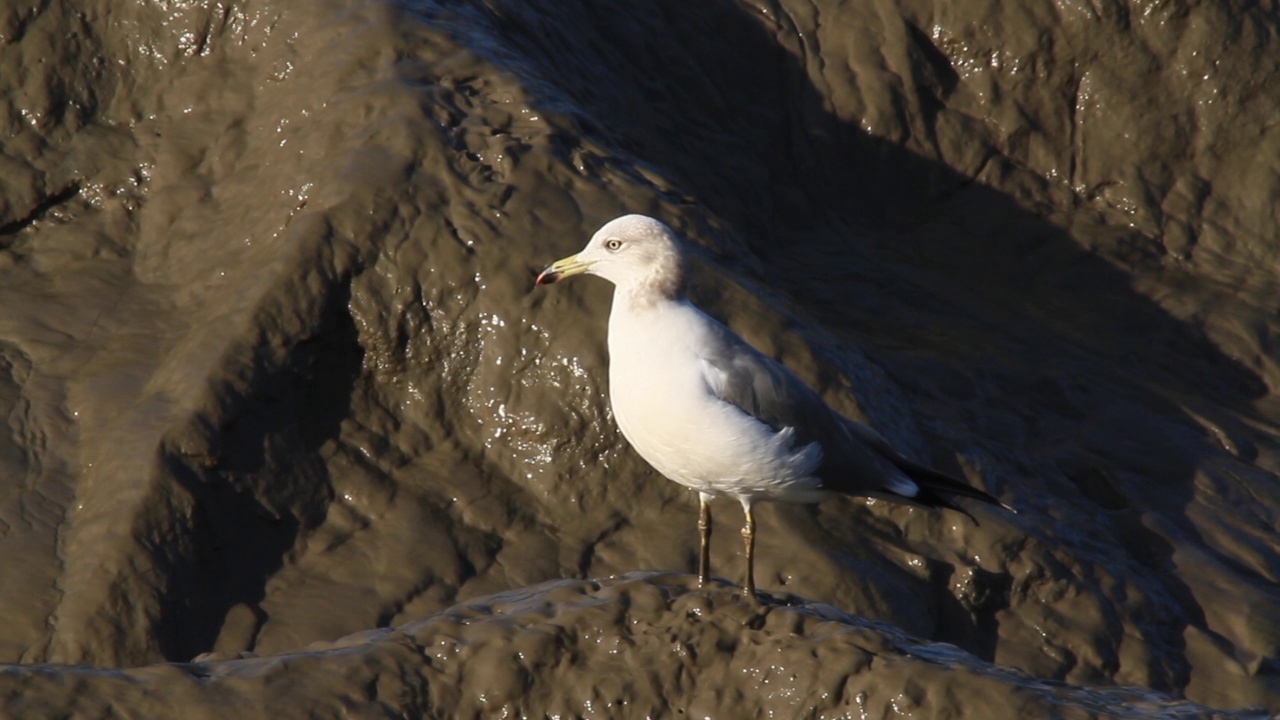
(613, 244)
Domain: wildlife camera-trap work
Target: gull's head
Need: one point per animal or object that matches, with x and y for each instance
(636, 253)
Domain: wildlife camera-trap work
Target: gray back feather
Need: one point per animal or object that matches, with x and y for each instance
(768, 391)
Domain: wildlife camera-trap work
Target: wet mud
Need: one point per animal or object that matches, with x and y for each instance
(289, 428)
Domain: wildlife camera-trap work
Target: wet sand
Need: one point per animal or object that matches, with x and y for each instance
(281, 395)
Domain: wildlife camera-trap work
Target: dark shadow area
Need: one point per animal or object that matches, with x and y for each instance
(704, 94)
(39, 211)
(267, 484)
(969, 621)
(737, 123)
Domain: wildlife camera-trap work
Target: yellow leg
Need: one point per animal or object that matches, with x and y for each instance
(749, 539)
(704, 532)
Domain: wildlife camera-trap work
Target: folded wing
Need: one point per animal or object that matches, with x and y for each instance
(857, 460)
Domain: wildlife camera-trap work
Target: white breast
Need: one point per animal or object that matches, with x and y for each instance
(668, 411)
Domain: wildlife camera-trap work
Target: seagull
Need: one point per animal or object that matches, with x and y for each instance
(712, 413)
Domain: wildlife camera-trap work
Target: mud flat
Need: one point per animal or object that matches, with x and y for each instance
(277, 383)
(640, 645)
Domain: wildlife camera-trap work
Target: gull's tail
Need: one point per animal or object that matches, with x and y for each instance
(938, 489)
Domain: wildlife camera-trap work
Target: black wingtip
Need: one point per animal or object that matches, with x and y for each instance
(934, 499)
(938, 487)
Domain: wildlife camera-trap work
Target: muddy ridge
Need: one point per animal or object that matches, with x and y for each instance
(289, 427)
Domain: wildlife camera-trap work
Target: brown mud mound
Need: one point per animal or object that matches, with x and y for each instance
(273, 371)
(642, 645)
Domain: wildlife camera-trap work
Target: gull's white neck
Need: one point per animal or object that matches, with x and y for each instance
(637, 297)
(649, 311)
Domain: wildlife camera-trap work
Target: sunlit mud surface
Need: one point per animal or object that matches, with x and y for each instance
(288, 424)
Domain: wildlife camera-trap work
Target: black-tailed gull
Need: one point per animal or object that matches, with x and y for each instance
(712, 413)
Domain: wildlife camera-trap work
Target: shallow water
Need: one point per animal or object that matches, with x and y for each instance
(275, 372)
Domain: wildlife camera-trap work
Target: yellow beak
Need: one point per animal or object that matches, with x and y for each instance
(562, 269)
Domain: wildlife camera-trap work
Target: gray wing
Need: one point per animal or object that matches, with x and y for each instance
(856, 459)
(763, 388)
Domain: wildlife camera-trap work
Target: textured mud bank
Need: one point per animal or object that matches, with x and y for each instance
(274, 372)
(642, 645)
